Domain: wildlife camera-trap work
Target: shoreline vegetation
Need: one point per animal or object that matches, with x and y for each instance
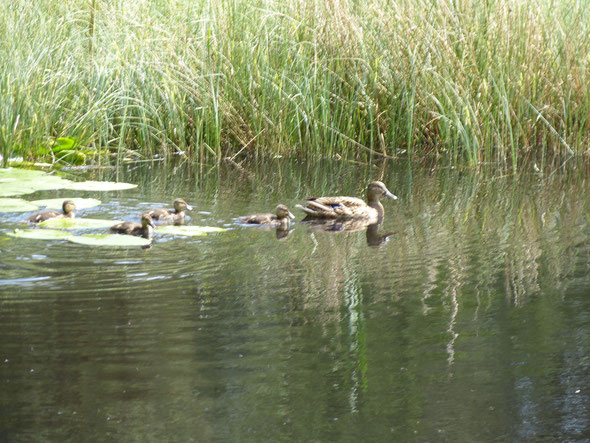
(460, 82)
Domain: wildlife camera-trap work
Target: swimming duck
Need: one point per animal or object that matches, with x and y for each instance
(279, 219)
(67, 206)
(175, 215)
(349, 207)
(144, 229)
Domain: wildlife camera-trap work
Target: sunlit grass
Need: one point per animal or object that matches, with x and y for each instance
(468, 82)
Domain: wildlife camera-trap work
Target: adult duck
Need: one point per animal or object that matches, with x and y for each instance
(279, 219)
(175, 215)
(145, 229)
(349, 207)
(67, 207)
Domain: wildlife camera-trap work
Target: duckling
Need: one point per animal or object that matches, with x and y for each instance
(349, 207)
(144, 229)
(68, 207)
(176, 215)
(281, 219)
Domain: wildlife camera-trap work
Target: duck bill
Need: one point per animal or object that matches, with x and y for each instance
(189, 207)
(291, 216)
(390, 195)
(151, 223)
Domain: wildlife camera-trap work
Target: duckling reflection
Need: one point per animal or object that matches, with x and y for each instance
(145, 229)
(175, 216)
(344, 208)
(67, 206)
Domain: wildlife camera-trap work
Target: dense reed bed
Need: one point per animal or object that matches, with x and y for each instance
(468, 82)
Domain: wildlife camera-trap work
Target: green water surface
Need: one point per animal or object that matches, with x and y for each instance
(470, 323)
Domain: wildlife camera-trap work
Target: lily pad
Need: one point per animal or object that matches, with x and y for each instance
(109, 240)
(187, 230)
(40, 234)
(56, 203)
(16, 205)
(14, 181)
(20, 174)
(99, 186)
(78, 223)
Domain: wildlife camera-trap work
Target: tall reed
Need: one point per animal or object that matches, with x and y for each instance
(471, 82)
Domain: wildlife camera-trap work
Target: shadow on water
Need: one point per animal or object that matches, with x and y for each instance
(470, 321)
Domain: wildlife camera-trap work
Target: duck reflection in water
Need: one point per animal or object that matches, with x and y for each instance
(374, 237)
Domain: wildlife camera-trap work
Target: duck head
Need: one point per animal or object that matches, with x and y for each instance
(283, 212)
(376, 190)
(146, 220)
(180, 205)
(68, 207)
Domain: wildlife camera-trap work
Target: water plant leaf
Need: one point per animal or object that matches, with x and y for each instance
(109, 240)
(40, 234)
(78, 223)
(16, 205)
(63, 143)
(15, 181)
(12, 188)
(56, 203)
(99, 186)
(187, 230)
(19, 174)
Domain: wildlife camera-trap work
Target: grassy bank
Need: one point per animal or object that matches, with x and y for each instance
(467, 81)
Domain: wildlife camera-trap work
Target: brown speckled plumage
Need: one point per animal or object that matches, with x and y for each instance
(68, 208)
(279, 218)
(144, 229)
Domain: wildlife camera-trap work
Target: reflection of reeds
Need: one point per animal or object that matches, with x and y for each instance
(471, 82)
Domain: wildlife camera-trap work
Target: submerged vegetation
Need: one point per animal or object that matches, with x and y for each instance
(468, 82)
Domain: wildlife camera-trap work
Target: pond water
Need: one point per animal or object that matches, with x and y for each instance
(470, 322)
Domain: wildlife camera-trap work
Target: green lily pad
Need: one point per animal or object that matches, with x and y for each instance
(109, 240)
(20, 174)
(78, 223)
(16, 205)
(99, 186)
(56, 203)
(40, 234)
(187, 230)
(14, 181)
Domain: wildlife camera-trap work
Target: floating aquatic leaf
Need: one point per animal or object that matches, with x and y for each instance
(78, 223)
(13, 187)
(99, 186)
(40, 234)
(187, 230)
(109, 240)
(56, 203)
(20, 174)
(16, 205)
(14, 181)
